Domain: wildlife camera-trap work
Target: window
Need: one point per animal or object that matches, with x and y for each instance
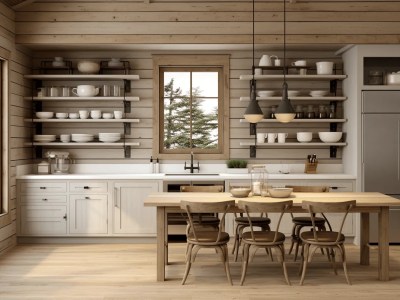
(191, 106)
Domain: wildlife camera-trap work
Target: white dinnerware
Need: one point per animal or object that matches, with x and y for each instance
(65, 138)
(88, 67)
(257, 71)
(330, 137)
(266, 60)
(299, 63)
(240, 192)
(266, 93)
(280, 192)
(393, 78)
(73, 115)
(109, 137)
(95, 114)
(282, 137)
(324, 67)
(304, 137)
(44, 138)
(261, 137)
(85, 90)
(84, 114)
(54, 92)
(82, 137)
(108, 115)
(44, 114)
(61, 115)
(118, 114)
(318, 93)
(271, 137)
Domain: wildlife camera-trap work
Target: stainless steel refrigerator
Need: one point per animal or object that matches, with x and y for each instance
(381, 153)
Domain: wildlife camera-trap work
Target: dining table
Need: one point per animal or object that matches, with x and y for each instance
(366, 203)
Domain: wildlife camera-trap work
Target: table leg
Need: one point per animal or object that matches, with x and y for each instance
(364, 239)
(161, 246)
(383, 258)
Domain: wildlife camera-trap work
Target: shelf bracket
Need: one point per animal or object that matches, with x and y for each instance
(127, 106)
(253, 128)
(127, 85)
(333, 86)
(38, 151)
(127, 128)
(127, 151)
(253, 151)
(333, 127)
(333, 151)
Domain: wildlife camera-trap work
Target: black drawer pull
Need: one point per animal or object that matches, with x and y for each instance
(44, 199)
(334, 187)
(87, 198)
(42, 187)
(86, 187)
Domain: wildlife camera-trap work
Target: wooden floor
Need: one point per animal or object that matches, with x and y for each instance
(122, 271)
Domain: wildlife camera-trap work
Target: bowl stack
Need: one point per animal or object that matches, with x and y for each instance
(109, 137)
(82, 137)
(44, 138)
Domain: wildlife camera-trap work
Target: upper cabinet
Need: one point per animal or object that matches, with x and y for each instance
(73, 101)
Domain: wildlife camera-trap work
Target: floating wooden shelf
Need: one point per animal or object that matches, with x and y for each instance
(96, 144)
(302, 98)
(83, 120)
(293, 77)
(300, 121)
(82, 77)
(128, 98)
(293, 145)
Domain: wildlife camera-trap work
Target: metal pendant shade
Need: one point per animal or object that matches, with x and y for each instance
(284, 112)
(253, 113)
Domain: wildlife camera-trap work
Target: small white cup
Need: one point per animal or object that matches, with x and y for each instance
(108, 115)
(257, 71)
(304, 137)
(261, 138)
(324, 68)
(65, 138)
(277, 62)
(282, 137)
(84, 114)
(271, 138)
(73, 115)
(118, 114)
(54, 92)
(95, 114)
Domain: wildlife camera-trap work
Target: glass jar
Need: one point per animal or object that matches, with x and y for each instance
(332, 111)
(322, 112)
(299, 112)
(259, 180)
(375, 77)
(310, 112)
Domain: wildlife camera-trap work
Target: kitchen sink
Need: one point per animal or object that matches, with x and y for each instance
(196, 174)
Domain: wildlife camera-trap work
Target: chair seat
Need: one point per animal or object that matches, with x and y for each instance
(307, 220)
(254, 220)
(263, 236)
(323, 236)
(208, 237)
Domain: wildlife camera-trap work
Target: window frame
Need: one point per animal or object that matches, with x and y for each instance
(191, 62)
(5, 217)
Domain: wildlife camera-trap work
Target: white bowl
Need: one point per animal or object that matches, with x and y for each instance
(82, 137)
(44, 138)
(88, 67)
(304, 137)
(44, 114)
(318, 93)
(330, 137)
(293, 93)
(61, 115)
(241, 192)
(280, 192)
(73, 115)
(266, 93)
(108, 115)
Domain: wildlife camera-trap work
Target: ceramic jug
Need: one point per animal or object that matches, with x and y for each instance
(266, 60)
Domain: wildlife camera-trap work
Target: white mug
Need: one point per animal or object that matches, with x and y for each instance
(277, 62)
(282, 137)
(84, 114)
(95, 114)
(54, 92)
(271, 137)
(118, 114)
(324, 67)
(299, 63)
(304, 137)
(261, 138)
(65, 138)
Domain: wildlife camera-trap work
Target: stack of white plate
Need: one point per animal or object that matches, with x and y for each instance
(318, 93)
(44, 138)
(82, 137)
(109, 137)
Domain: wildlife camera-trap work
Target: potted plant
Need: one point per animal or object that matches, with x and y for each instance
(237, 166)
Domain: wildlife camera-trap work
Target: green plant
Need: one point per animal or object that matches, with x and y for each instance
(236, 163)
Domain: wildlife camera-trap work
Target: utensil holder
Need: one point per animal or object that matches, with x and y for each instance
(310, 168)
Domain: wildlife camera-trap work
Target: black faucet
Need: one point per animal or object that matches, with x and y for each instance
(192, 167)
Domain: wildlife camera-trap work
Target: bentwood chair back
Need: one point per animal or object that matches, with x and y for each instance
(300, 222)
(330, 240)
(264, 239)
(197, 239)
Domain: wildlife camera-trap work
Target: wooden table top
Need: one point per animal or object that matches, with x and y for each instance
(366, 199)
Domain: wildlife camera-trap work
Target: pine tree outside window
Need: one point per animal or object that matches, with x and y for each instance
(191, 106)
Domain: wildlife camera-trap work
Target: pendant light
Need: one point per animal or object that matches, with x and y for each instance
(253, 113)
(284, 112)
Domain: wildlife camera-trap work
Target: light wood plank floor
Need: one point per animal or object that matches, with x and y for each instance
(122, 271)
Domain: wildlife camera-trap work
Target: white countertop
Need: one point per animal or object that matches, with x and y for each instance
(222, 176)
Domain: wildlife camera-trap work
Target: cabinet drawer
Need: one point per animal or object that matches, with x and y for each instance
(43, 199)
(42, 220)
(42, 187)
(88, 187)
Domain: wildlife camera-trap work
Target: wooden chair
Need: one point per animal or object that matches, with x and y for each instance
(330, 240)
(300, 222)
(207, 219)
(206, 239)
(264, 239)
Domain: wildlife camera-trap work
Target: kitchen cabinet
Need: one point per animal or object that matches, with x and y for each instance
(88, 214)
(349, 228)
(40, 80)
(332, 100)
(129, 214)
(42, 208)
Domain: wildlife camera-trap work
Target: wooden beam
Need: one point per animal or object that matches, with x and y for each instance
(22, 4)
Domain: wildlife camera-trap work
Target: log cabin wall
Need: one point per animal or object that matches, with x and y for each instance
(19, 132)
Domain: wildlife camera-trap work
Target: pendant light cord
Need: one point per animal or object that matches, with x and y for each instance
(284, 41)
(253, 41)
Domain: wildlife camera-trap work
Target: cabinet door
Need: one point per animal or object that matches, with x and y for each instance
(43, 220)
(130, 215)
(88, 214)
